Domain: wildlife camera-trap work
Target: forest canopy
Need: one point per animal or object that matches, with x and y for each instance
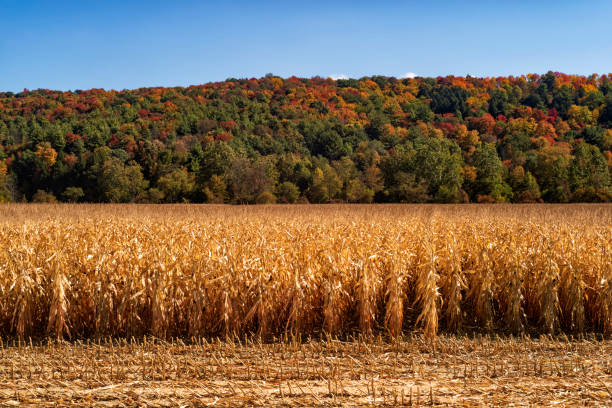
(533, 138)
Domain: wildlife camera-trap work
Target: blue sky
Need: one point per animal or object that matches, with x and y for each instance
(129, 44)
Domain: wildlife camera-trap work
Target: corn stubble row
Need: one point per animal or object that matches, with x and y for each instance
(89, 271)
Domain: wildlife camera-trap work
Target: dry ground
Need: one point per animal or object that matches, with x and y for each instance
(459, 372)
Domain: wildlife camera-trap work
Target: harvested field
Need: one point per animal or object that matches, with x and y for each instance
(460, 372)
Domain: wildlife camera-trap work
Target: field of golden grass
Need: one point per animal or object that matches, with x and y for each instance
(329, 305)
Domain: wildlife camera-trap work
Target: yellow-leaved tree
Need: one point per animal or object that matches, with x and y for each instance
(46, 153)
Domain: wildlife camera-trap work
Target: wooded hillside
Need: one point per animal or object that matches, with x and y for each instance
(447, 139)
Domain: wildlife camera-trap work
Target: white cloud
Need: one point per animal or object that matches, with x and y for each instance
(408, 75)
(338, 76)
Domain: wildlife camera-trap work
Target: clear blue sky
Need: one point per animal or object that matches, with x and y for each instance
(129, 44)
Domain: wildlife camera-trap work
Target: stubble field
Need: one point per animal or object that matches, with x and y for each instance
(306, 305)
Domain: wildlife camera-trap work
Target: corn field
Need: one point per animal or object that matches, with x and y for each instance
(191, 271)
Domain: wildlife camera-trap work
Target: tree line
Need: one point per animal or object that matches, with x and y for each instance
(531, 138)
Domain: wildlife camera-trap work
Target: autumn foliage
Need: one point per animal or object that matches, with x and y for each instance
(447, 139)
